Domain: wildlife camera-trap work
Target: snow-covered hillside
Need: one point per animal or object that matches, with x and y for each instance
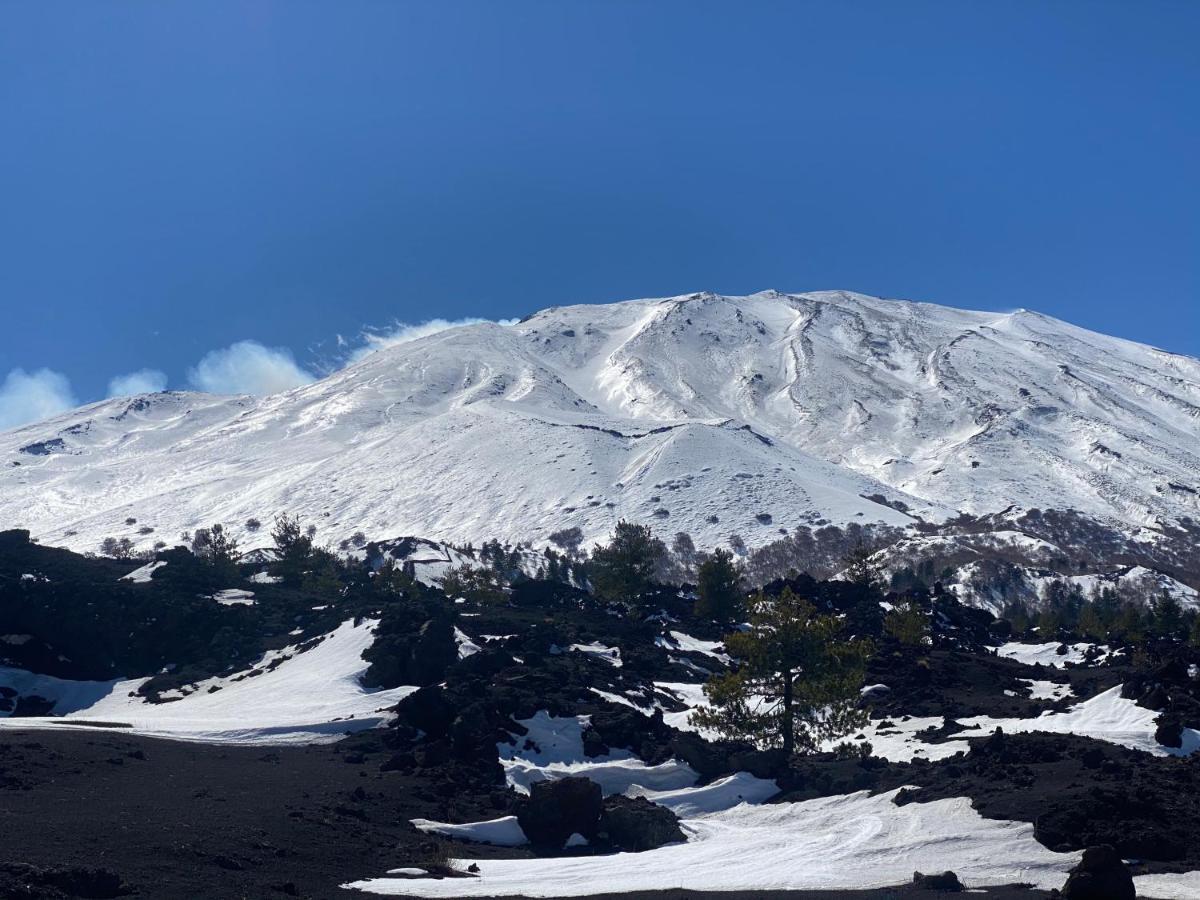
(706, 414)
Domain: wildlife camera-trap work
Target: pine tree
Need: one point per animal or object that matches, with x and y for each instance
(1168, 616)
(797, 684)
(718, 585)
(860, 568)
(625, 567)
(295, 548)
(908, 623)
(1091, 625)
(1130, 623)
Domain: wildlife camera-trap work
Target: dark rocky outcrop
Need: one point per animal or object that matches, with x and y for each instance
(634, 823)
(1100, 875)
(557, 809)
(938, 881)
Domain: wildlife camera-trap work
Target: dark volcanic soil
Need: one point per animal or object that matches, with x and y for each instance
(178, 820)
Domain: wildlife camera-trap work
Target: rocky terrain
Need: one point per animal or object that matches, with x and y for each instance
(174, 728)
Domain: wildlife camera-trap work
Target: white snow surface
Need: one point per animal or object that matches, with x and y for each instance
(784, 406)
(1046, 690)
(143, 574)
(503, 832)
(1107, 717)
(1047, 654)
(898, 739)
(735, 840)
(610, 655)
(831, 843)
(677, 640)
(555, 750)
(1168, 885)
(315, 696)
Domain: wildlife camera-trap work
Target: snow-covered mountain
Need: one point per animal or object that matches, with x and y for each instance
(701, 413)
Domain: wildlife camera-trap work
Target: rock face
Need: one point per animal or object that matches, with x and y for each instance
(1100, 875)
(634, 823)
(558, 809)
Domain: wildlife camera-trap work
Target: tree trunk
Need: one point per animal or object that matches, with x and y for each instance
(789, 734)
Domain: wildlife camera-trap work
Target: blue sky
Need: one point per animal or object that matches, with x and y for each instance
(179, 179)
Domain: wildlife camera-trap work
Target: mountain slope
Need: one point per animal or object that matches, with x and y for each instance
(700, 413)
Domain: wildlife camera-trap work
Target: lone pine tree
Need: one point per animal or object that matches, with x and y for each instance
(797, 682)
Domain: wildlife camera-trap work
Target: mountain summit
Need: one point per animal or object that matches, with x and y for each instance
(701, 413)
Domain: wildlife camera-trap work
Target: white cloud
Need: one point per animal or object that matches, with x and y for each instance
(143, 381)
(248, 367)
(32, 396)
(403, 332)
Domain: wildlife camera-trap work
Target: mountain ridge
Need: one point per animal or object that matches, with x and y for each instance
(701, 413)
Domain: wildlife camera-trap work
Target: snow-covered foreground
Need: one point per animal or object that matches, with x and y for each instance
(736, 841)
(1107, 717)
(313, 696)
(842, 842)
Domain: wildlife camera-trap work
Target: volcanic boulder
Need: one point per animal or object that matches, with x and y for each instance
(557, 809)
(634, 823)
(1100, 875)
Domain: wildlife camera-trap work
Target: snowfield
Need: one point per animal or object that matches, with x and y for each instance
(735, 840)
(1107, 717)
(701, 413)
(313, 696)
(844, 842)
(1047, 654)
(559, 754)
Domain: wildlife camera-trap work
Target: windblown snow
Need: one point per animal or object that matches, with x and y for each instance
(737, 841)
(704, 413)
(290, 696)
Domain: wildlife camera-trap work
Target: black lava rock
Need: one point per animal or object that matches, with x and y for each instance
(938, 881)
(1100, 875)
(557, 809)
(1169, 730)
(634, 823)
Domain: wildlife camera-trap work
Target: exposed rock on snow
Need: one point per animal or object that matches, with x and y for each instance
(1052, 653)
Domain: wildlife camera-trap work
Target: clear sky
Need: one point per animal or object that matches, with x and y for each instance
(177, 178)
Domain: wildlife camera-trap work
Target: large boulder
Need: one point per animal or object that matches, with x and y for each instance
(634, 823)
(1100, 875)
(557, 809)
(1169, 730)
(937, 881)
